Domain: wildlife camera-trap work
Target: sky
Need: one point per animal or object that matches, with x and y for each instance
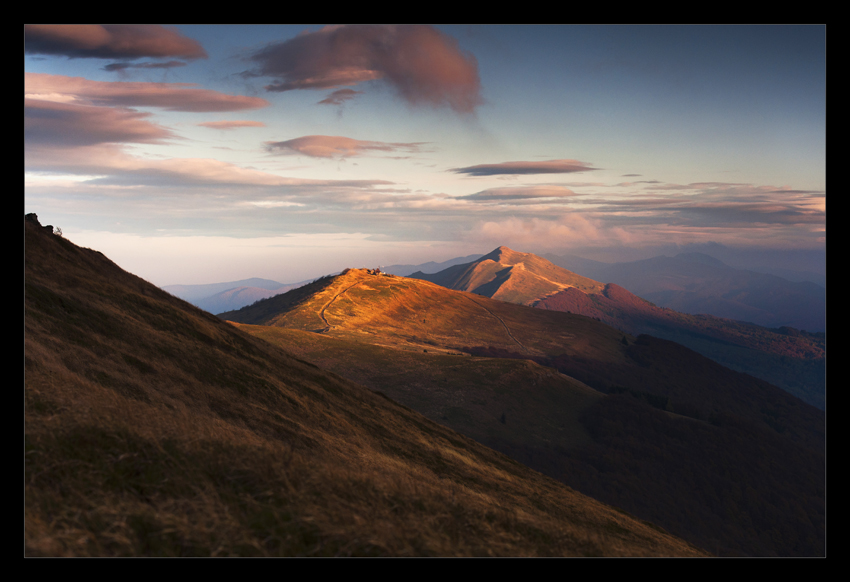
(204, 154)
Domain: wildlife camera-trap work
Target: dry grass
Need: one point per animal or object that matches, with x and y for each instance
(155, 429)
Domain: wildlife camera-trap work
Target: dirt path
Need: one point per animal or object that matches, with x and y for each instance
(328, 304)
(516, 341)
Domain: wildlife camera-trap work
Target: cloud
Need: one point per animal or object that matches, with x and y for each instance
(110, 41)
(122, 66)
(169, 96)
(423, 65)
(71, 125)
(330, 146)
(720, 204)
(540, 233)
(113, 166)
(339, 97)
(549, 167)
(519, 194)
(234, 124)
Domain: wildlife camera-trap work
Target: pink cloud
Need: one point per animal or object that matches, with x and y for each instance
(231, 124)
(331, 146)
(424, 65)
(71, 125)
(548, 167)
(115, 165)
(110, 41)
(170, 96)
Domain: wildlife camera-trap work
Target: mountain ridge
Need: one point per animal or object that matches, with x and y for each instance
(413, 339)
(795, 362)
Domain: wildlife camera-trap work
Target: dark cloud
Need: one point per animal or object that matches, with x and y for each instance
(170, 96)
(339, 97)
(549, 167)
(69, 125)
(421, 63)
(110, 41)
(333, 146)
(123, 66)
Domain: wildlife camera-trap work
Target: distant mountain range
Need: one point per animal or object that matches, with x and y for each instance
(717, 457)
(697, 283)
(429, 267)
(218, 297)
(786, 357)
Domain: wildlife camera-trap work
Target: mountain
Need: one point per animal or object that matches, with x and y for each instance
(788, 358)
(429, 267)
(194, 292)
(697, 283)
(153, 428)
(218, 297)
(720, 458)
(510, 276)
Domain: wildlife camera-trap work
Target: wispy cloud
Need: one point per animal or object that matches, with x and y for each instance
(548, 167)
(123, 66)
(339, 97)
(58, 124)
(520, 194)
(720, 204)
(169, 96)
(110, 41)
(423, 65)
(331, 146)
(234, 124)
(115, 166)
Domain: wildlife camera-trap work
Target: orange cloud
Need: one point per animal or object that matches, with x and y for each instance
(330, 146)
(110, 41)
(231, 124)
(424, 65)
(170, 96)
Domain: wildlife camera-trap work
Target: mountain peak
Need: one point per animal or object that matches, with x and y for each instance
(503, 254)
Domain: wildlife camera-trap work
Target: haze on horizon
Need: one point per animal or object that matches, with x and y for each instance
(200, 154)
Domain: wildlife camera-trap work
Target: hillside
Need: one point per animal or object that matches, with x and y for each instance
(790, 359)
(712, 455)
(155, 429)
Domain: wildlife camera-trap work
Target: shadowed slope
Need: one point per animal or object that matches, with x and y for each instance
(153, 428)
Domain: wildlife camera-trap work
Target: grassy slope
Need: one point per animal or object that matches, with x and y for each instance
(504, 403)
(153, 428)
(738, 435)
